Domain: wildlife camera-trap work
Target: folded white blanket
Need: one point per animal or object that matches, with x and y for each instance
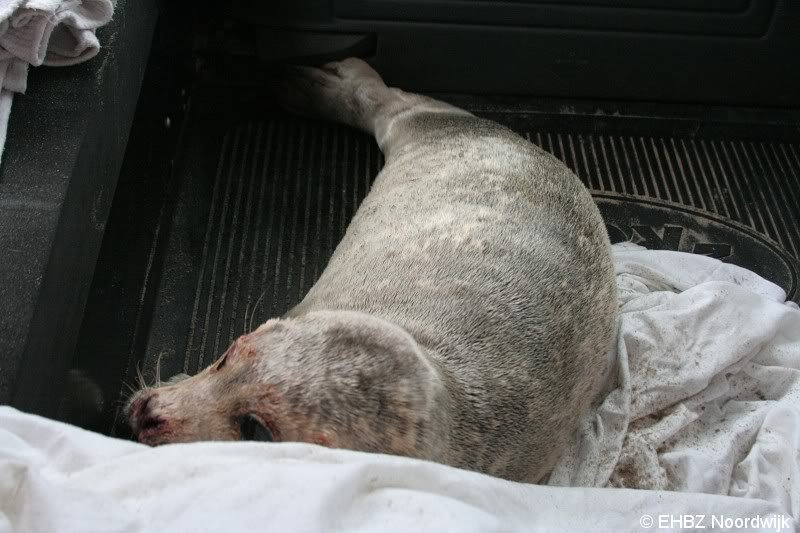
(703, 406)
(44, 32)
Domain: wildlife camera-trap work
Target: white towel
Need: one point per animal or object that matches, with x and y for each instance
(44, 32)
(707, 393)
(711, 349)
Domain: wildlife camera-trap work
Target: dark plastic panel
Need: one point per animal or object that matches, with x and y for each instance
(311, 47)
(682, 5)
(599, 15)
(557, 50)
(67, 137)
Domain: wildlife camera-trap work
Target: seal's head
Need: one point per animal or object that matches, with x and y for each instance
(335, 378)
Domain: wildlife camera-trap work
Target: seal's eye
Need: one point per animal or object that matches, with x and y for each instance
(252, 429)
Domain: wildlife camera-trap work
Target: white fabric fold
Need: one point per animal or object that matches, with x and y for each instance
(707, 393)
(46, 32)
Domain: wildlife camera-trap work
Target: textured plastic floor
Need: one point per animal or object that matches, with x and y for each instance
(261, 199)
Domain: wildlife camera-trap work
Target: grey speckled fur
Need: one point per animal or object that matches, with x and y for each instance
(465, 317)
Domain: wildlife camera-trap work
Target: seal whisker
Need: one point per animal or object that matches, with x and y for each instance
(158, 369)
(140, 377)
(253, 313)
(131, 389)
(124, 398)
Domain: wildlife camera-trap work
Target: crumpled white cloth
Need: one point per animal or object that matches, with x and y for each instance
(707, 393)
(703, 407)
(44, 32)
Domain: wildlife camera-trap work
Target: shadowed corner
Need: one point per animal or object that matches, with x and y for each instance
(82, 403)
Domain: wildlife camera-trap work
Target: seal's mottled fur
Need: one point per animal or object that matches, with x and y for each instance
(465, 317)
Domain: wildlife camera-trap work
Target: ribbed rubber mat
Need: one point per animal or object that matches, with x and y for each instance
(264, 199)
(282, 197)
(751, 182)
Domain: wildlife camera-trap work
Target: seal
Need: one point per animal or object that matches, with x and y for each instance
(465, 317)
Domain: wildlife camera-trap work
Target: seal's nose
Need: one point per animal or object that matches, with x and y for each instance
(140, 409)
(147, 426)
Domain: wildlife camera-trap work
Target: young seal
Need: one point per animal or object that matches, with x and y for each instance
(465, 317)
